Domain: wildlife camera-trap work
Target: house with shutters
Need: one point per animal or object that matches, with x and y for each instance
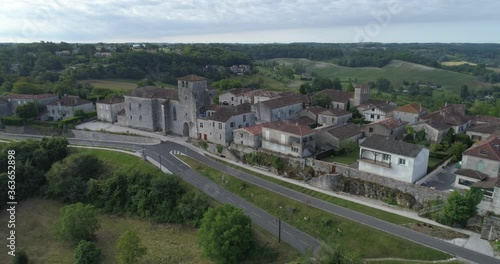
(409, 113)
(66, 107)
(236, 96)
(390, 128)
(289, 138)
(376, 110)
(452, 115)
(108, 109)
(281, 108)
(484, 156)
(393, 159)
(217, 124)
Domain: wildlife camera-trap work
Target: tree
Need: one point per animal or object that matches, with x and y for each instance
(357, 117)
(29, 110)
(383, 85)
(350, 87)
(348, 146)
(322, 100)
(20, 258)
(77, 222)
(457, 149)
(87, 253)
(336, 83)
(226, 234)
(464, 92)
(130, 249)
(192, 207)
(460, 207)
(449, 137)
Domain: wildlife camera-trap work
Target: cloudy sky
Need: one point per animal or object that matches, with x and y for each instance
(250, 21)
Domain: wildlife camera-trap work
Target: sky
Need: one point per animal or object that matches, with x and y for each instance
(250, 21)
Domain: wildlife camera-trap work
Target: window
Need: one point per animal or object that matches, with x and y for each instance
(295, 149)
(220, 125)
(174, 113)
(201, 124)
(372, 116)
(246, 124)
(370, 129)
(289, 112)
(324, 119)
(231, 124)
(140, 117)
(402, 161)
(130, 117)
(378, 116)
(465, 182)
(373, 109)
(213, 124)
(333, 119)
(139, 105)
(244, 118)
(386, 157)
(239, 126)
(241, 135)
(232, 98)
(484, 152)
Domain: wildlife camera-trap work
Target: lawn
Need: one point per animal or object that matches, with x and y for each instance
(344, 158)
(121, 85)
(355, 237)
(396, 71)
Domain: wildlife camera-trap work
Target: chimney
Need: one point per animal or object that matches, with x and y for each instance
(446, 104)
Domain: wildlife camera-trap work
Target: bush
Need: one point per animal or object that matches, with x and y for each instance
(460, 207)
(20, 258)
(220, 148)
(78, 222)
(203, 144)
(129, 248)
(12, 121)
(87, 253)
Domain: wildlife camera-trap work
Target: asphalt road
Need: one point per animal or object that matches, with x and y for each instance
(293, 236)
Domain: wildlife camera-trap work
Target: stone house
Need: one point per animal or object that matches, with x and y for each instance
(280, 108)
(484, 156)
(16, 100)
(393, 159)
(481, 131)
(491, 199)
(235, 97)
(66, 107)
(452, 115)
(344, 100)
(62, 53)
(262, 95)
(217, 125)
(390, 128)
(288, 138)
(108, 109)
(240, 69)
(334, 117)
(312, 112)
(409, 113)
(331, 137)
(375, 110)
(248, 136)
(465, 178)
(434, 130)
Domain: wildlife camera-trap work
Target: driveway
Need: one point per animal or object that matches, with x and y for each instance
(442, 181)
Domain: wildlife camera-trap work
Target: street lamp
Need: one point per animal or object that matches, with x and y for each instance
(159, 157)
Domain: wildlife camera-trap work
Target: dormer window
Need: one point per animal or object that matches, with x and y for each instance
(484, 152)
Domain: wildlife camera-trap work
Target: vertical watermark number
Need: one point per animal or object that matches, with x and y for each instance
(11, 202)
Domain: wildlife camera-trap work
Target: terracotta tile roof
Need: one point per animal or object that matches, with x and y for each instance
(254, 130)
(284, 101)
(70, 101)
(289, 127)
(488, 148)
(338, 95)
(191, 78)
(481, 119)
(336, 112)
(389, 123)
(112, 100)
(411, 108)
(302, 121)
(392, 146)
(485, 128)
(262, 92)
(435, 124)
(30, 96)
(316, 109)
(239, 91)
(471, 174)
(345, 131)
(450, 115)
(489, 183)
(152, 92)
(223, 113)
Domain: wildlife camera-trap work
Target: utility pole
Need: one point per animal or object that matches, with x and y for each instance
(159, 157)
(279, 230)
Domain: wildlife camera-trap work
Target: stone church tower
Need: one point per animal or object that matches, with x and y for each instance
(361, 94)
(193, 94)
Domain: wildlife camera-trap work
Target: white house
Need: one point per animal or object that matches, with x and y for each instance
(393, 159)
(235, 97)
(66, 107)
(107, 109)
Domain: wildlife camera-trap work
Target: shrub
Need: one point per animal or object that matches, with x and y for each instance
(220, 148)
(203, 144)
(20, 258)
(78, 222)
(87, 253)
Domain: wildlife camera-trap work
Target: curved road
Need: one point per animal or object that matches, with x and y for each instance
(291, 235)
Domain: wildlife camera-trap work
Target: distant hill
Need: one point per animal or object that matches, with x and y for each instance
(396, 71)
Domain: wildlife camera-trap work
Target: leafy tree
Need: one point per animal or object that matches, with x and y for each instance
(460, 207)
(348, 146)
(27, 88)
(192, 207)
(321, 100)
(29, 110)
(457, 149)
(464, 138)
(226, 235)
(305, 88)
(383, 85)
(87, 253)
(321, 83)
(226, 84)
(336, 83)
(130, 249)
(145, 82)
(20, 258)
(350, 87)
(449, 137)
(77, 222)
(357, 117)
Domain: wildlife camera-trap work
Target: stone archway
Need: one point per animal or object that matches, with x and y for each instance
(185, 130)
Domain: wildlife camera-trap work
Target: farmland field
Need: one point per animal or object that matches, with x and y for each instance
(125, 85)
(396, 71)
(457, 63)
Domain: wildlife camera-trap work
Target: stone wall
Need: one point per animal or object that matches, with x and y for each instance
(491, 228)
(100, 136)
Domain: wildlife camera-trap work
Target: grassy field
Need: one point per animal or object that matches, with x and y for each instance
(347, 158)
(396, 72)
(121, 85)
(366, 241)
(457, 63)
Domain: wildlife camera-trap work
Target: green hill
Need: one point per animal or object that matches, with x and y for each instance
(396, 72)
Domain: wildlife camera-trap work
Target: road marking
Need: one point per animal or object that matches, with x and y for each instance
(257, 215)
(243, 207)
(304, 242)
(231, 200)
(289, 233)
(271, 223)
